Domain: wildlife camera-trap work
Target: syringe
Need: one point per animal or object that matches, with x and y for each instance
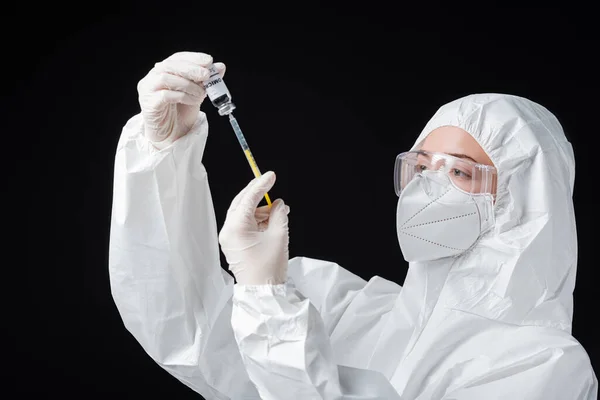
(221, 98)
(249, 156)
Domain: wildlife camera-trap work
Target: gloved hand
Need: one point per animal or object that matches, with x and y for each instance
(255, 240)
(171, 94)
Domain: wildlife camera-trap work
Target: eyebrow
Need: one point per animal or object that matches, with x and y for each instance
(463, 156)
(457, 155)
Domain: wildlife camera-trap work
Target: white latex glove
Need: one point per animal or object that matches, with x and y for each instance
(171, 94)
(255, 240)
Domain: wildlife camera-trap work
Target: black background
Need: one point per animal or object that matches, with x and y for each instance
(325, 101)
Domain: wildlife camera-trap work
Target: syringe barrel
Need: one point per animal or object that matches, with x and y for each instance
(238, 132)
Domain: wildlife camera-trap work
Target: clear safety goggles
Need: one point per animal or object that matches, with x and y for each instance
(466, 175)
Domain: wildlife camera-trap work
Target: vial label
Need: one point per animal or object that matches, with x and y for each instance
(215, 86)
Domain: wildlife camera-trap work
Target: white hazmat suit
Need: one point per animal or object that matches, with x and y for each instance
(492, 323)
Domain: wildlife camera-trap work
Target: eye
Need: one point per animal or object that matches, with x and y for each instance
(421, 167)
(460, 174)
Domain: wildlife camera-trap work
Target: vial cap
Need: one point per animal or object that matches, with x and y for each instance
(226, 109)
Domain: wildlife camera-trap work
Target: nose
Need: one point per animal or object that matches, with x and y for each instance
(429, 178)
(438, 165)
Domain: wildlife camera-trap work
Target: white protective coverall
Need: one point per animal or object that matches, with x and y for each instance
(493, 323)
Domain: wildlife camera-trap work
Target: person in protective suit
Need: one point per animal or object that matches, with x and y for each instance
(485, 219)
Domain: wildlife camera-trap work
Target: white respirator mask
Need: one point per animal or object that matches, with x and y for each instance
(445, 204)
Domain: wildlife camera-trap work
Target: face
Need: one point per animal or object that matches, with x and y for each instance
(456, 142)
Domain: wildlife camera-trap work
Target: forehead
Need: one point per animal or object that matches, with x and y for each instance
(454, 140)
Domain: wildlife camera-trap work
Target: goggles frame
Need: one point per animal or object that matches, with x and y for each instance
(466, 175)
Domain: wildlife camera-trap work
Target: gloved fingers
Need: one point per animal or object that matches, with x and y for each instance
(220, 68)
(275, 215)
(172, 97)
(279, 215)
(238, 198)
(197, 58)
(262, 214)
(256, 190)
(176, 83)
(184, 69)
(263, 226)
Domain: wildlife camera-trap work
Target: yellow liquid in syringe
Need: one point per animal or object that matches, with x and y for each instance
(255, 170)
(247, 152)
